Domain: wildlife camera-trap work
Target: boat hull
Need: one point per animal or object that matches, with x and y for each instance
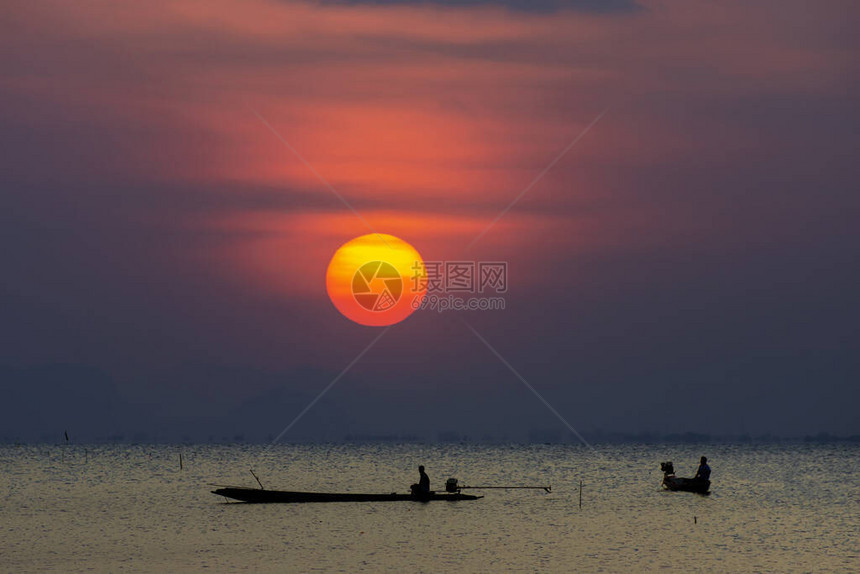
(686, 484)
(259, 496)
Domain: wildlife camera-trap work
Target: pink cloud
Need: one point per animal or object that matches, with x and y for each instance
(414, 105)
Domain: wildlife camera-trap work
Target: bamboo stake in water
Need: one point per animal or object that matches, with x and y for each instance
(580, 494)
(180, 460)
(257, 479)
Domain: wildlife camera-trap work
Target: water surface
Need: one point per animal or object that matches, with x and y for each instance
(124, 508)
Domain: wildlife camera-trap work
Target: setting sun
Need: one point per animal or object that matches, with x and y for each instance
(374, 279)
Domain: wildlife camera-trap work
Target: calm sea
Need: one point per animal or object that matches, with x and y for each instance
(120, 508)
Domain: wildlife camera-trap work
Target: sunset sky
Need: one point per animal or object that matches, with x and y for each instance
(690, 264)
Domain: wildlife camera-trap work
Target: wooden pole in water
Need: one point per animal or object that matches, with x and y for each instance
(580, 494)
(180, 460)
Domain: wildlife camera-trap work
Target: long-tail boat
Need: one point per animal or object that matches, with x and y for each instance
(672, 482)
(259, 495)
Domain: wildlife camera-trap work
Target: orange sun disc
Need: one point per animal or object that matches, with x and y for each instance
(376, 279)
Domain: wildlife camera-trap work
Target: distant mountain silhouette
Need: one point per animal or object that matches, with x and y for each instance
(45, 400)
(41, 402)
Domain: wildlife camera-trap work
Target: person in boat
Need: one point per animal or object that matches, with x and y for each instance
(423, 481)
(704, 471)
(423, 486)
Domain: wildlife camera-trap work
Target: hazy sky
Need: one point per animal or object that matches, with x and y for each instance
(690, 264)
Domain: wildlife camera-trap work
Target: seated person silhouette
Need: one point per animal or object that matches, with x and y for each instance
(422, 489)
(704, 471)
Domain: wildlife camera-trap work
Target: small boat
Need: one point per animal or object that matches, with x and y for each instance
(675, 483)
(259, 495)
